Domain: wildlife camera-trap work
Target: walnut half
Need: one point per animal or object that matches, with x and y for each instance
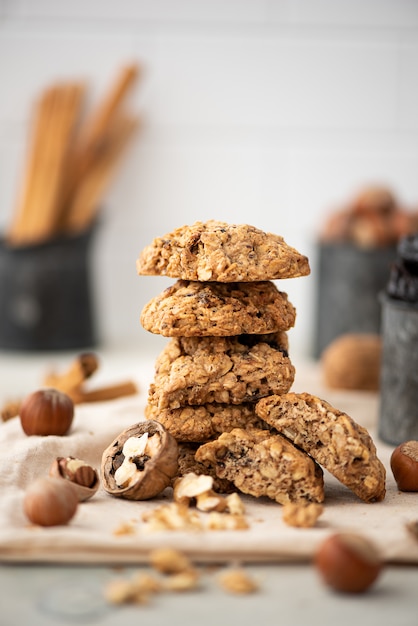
(141, 462)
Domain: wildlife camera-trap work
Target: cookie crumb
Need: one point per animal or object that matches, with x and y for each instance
(169, 561)
(126, 592)
(302, 515)
(412, 528)
(186, 580)
(125, 528)
(226, 521)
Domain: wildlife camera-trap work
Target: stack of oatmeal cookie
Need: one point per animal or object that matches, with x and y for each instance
(228, 350)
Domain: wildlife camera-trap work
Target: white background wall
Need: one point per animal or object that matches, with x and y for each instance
(268, 112)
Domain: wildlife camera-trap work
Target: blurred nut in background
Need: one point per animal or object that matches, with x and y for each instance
(348, 562)
(372, 219)
(352, 361)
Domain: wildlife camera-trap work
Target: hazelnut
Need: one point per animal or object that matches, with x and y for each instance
(141, 462)
(348, 562)
(404, 465)
(352, 361)
(84, 477)
(46, 412)
(50, 501)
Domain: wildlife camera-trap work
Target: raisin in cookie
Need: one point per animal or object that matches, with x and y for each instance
(229, 370)
(331, 437)
(188, 309)
(263, 464)
(217, 251)
(202, 423)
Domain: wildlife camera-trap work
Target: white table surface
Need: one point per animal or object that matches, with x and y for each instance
(289, 594)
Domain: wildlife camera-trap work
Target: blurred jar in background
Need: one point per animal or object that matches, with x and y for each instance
(356, 248)
(398, 413)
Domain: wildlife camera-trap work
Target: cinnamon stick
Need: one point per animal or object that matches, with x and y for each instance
(108, 392)
(80, 370)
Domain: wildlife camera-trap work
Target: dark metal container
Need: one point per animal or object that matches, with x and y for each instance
(45, 295)
(349, 280)
(398, 410)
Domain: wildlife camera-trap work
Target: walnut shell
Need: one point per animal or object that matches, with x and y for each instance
(158, 471)
(352, 361)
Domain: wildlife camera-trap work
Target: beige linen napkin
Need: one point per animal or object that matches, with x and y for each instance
(91, 535)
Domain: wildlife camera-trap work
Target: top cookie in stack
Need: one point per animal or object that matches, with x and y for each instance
(226, 253)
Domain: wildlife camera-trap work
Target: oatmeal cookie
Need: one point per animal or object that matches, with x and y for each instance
(187, 463)
(229, 370)
(188, 309)
(331, 437)
(202, 423)
(217, 251)
(264, 464)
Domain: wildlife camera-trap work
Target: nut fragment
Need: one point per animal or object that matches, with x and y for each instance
(169, 561)
(50, 501)
(172, 516)
(182, 581)
(301, 515)
(197, 488)
(234, 504)
(404, 465)
(226, 521)
(84, 477)
(237, 581)
(348, 562)
(135, 590)
(149, 470)
(412, 528)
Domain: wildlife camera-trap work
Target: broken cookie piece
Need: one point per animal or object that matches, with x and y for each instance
(331, 437)
(262, 464)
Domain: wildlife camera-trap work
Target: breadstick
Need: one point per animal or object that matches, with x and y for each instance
(94, 134)
(86, 201)
(38, 214)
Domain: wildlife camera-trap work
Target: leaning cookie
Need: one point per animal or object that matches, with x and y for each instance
(190, 309)
(230, 370)
(203, 423)
(331, 437)
(260, 463)
(217, 251)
